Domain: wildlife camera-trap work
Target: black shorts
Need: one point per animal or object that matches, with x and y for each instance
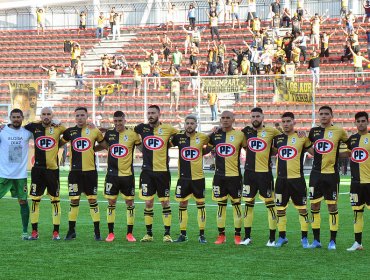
(261, 182)
(294, 189)
(324, 186)
(52, 84)
(41, 179)
(251, 15)
(224, 187)
(73, 62)
(359, 195)
(119, 184)
(324, 52)
(82, 26)
(155, 182)
(186, 188)
(83, 182)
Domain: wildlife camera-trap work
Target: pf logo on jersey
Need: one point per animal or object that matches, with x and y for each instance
(287, 152)
(190, 153)
(359, 155)
(153, 143)
(225, 150)
(118, 151)
(81, 144)
(323, 146)
(256, 144)
(45, 143)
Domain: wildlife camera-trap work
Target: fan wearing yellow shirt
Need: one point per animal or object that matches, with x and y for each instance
(357, 64)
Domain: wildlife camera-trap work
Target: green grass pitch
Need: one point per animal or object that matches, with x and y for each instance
(85, 258)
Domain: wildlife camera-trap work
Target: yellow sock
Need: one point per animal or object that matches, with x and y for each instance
(94, 212)
(130, 211)
(55, 212)
(221, 215)
(237, 214)
(35, 211)
(248, 215)
(201, 216)
(166, 216)
(111, 214)
(359, 221)
(281, 222)
(316, 219)
(334, 220)
(73, 212)
(148, 216)
(271, 214)
(304, 222)
(183, 218)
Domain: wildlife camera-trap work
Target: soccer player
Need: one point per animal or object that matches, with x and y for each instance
(191, 182)
(359, 145)
(290, 182)
(120, 143)
(324, 178)
(227, 179)
(13, 164)
(83, 177)
(258, 174)
(45, 172)
(155, 177)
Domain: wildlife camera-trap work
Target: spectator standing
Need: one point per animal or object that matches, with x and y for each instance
(40, 16)
(177, 58)
(82, 22)
(346, 52)
(111, 19)
(221, 51)
(301, 41)
(191, 15)
(117, 18)
(325, 46)
(171, 16)
(100, 27)
(212, 101)
(286, 17)
(252, 9)
(175, 89)
(52, 73)
(75, 52)
(235, 12)
(213, 20)
(314, 67)
(166, 45)
(366, 6)
(358, 59)
(195, 82)
(232, 65)
(156, 71)
(79, 70)
(137, 80)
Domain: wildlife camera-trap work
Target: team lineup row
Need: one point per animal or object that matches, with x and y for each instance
(260, 143)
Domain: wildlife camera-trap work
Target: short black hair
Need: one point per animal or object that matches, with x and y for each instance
(155, 107)
(119, 114)
(288, 115)
(326, 107)
(362, 114)
(257, 109)
(16, 110)
(81, 108)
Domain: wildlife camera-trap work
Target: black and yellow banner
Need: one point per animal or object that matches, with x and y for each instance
(24, 97)
(224, 84)
(290, 91)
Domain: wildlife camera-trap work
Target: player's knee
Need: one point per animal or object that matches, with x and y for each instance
(75, 201)
(149, 203)
(54, 199)
(22, 202)
(332, 207)
(91, 201)
(165, 203)
(184, 204)
(302, 212)
(315, 206)
(112, 201)
(129, 202)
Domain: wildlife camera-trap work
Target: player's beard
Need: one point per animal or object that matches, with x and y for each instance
(256, 124)
(46, 122)
(17, 124)
(153, 120)
(190, 130)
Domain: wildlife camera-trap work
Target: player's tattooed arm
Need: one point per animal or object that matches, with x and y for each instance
(103, 145)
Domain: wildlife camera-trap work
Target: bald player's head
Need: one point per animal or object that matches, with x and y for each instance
(46, 116)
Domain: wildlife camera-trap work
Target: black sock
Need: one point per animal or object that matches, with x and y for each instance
(316, 234)
(358, 237)
(201, 232)
(333, 235)
(183, 232)
(282, 234)
(72, 226)
(237, 231)
(221, 231)
(34, 226)
(272, 235)
(56, 228)
(110, 227)
(97, 228)
(304, 234)
(149, 230)
(248, 232)
(167, 230)
(130, 228)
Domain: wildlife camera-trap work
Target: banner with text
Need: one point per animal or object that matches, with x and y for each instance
(24, 97)
(291, 91)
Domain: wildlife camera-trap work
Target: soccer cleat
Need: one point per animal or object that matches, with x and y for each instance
(130, 237)
(34, 235)
(25, 236)
(202, 239)
(315, 244)
(237, 240)
(181, 238)
(71, 235)
(110, 237)
(356, 246)
(220, 239)
(147, 238)
(246, 241)
(281, 241)
(304, 242)
(97, 237)
(331, 245)
(167, 238)
(270, 243)
(55, 235)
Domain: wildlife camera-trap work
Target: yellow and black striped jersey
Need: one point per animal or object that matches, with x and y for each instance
(259, 143)
(190, 154)
(359, 145)
(290, 154)
(121, 151)
(46, 144)
(155, 145)
(82, 156)
(227, 149)
(326, 143)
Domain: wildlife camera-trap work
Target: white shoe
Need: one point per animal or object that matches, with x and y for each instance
(270, 243)
(355, 247)
(246, 241)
